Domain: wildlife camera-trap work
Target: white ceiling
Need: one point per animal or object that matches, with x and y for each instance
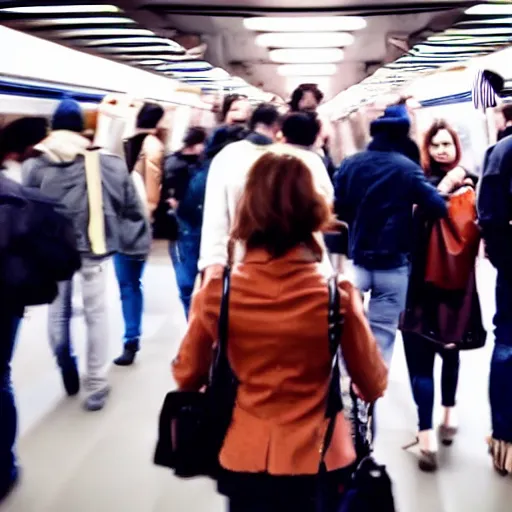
(232, 47)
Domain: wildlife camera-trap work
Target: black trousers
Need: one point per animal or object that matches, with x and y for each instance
(420, 355)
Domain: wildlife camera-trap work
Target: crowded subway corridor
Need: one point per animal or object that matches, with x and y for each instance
(219, 294)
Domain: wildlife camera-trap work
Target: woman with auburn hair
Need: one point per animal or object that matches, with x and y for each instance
(278, 347)
(437, 319)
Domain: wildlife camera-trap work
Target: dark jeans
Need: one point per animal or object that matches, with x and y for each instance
(420, 356)
(185, 256)
(9, 324)
(129, 270)
(500, 388)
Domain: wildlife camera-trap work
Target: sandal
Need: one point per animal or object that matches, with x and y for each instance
(447, 434)
(427, 461)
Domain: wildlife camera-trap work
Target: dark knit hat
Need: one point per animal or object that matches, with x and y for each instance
(68, 116)
(149, 116)
(395, 118)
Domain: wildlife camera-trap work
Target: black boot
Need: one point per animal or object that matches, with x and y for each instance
(127, 358)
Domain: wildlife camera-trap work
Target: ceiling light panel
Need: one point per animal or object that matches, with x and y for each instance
(102, 32)
(62, 9)
(307, 69)
(108, 20)
(304, 39)
(504, 9)
(306, 55)
(128, 41)
(306, 24)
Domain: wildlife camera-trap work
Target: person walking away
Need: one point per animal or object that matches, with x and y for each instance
(375, 193)
(435, 318)
(283, 367)
(226, 180)
(144, 155)
(306, 98)
(495, 218)
(184, 188)
(31, 262)
(98, 195)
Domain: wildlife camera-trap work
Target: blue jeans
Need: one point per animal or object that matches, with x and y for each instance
(9, 324)
(129, 270)
(388, 292)
(185, 256)
(420, 356)
(500, 379)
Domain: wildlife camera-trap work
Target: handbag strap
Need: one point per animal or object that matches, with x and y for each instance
(224, 314)
(334, 399)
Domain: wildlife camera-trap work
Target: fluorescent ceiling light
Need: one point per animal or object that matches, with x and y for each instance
(114, 20)
(306, 69)
(135, 49)
(307, 24)
(129, 40)
(186, 67)
(102, 32)
(314, 56)
(62, 9)
(490, 10)
(304, 39)
(151, 62)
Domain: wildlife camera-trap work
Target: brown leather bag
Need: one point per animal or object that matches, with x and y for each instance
(454, 243)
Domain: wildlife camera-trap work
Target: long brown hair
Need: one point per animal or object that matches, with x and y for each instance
(427, 162)
(280, 208)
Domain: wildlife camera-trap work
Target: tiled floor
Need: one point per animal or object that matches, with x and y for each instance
(75, 461)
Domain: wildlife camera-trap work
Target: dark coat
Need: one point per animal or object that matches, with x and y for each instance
(495, 205)
(375, 193)
(442, 316)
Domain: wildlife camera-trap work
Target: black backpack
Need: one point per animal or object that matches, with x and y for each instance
(37, 246)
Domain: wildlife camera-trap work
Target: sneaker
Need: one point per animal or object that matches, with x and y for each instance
(71, 378)
(96, 401)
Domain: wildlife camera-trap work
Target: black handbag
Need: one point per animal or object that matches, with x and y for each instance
(193, 424)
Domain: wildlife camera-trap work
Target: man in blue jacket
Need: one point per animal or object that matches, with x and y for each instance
(375, 193)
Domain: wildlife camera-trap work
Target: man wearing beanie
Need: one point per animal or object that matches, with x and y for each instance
(375, 193)
(97, 194)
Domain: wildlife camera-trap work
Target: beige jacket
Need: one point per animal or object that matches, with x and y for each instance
(150, 166)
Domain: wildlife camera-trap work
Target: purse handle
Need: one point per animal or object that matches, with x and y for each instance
(220, 362)
(335, 331)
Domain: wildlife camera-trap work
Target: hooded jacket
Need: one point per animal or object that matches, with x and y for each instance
(60, 173)
(375, 193)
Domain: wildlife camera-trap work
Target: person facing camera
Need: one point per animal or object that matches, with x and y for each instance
(278, 346)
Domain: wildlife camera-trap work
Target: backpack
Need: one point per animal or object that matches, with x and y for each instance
(37, 247)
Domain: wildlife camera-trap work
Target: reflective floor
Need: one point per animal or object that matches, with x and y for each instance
(74, 461)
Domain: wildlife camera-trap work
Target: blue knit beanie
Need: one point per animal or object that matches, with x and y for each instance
(68, 116)
(396, 117)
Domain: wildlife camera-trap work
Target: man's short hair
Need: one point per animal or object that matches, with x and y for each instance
(195, 135)
(266, 114)
(301, 128)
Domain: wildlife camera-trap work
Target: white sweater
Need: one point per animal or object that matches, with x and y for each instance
(226, 181)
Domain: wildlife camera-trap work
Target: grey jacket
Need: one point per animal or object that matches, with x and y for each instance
(59, 172)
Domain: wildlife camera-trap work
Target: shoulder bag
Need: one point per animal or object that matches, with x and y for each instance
(193, 424)
(370, 488)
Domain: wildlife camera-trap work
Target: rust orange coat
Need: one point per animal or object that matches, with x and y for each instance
(278, 348)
